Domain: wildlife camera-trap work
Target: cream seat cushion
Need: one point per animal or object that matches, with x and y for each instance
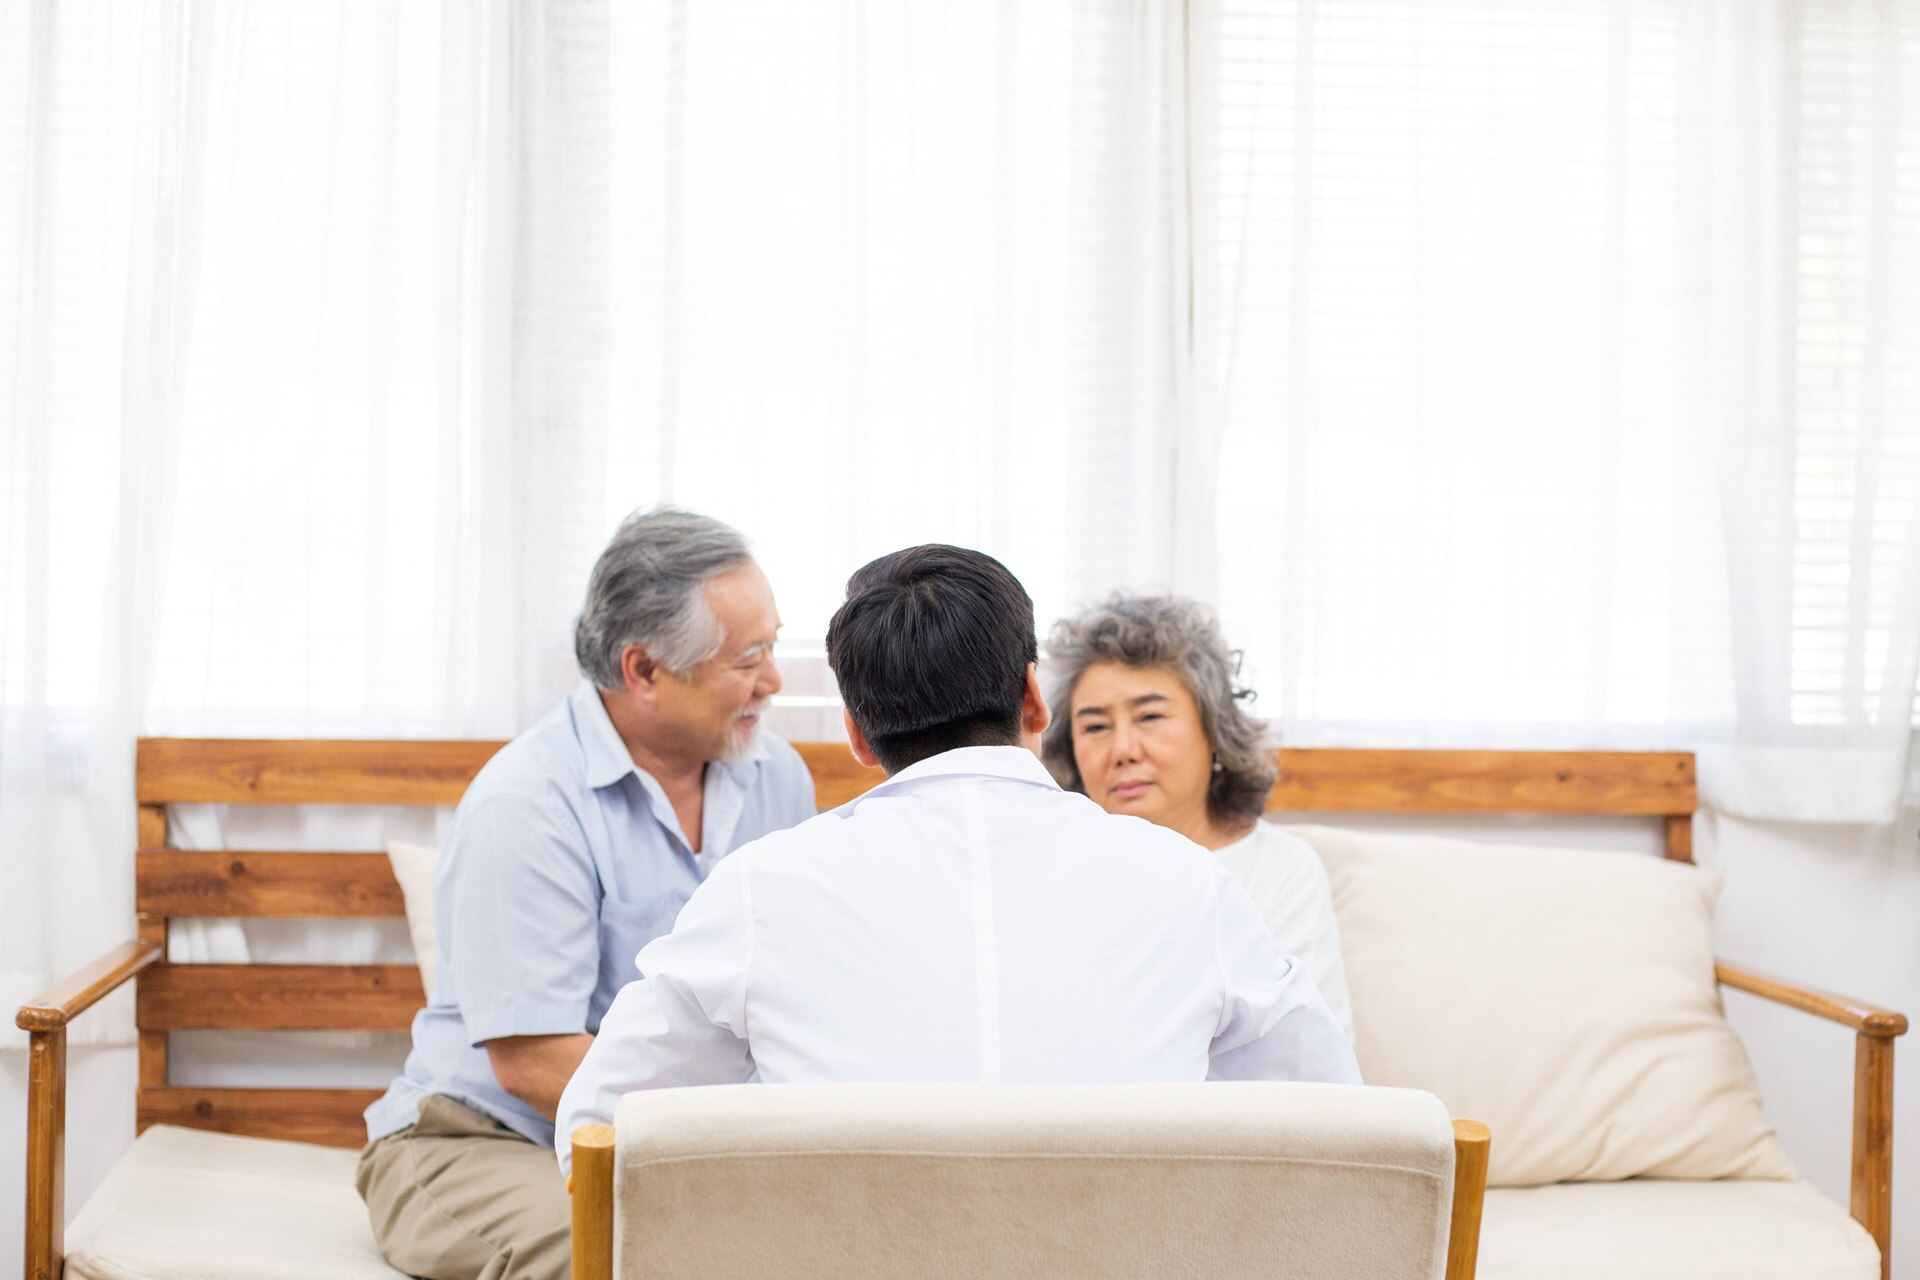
(1748, 1230)
(1564, 997)
(187, 1205)
(982, 1182)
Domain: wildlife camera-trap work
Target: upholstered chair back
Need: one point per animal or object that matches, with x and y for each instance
(970, 1182)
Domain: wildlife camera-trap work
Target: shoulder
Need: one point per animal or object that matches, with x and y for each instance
(785, 850)
(1135, 832)
(535, 780)
(1267, 847)
(1145, 849)
(1276, 867)
(517, 790)
(545, 753)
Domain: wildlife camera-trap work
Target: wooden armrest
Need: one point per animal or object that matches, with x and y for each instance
(1872, 1199)
(592, 1188)
(1868, 1019)
(67, 999)
(46, 1017)
(1471, 1147)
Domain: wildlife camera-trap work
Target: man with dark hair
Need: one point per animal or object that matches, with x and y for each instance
(966, 919)
(932, 606)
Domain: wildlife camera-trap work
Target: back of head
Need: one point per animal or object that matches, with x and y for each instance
(931, 650)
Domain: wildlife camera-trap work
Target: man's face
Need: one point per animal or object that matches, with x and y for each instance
(715, 711)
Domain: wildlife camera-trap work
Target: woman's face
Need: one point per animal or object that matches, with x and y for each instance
(1141, 749)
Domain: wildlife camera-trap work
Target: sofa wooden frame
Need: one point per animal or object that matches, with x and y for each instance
(177, 884)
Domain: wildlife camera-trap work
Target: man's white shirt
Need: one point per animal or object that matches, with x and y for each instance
(965, 920)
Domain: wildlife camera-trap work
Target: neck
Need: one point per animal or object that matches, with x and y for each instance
(671, 770)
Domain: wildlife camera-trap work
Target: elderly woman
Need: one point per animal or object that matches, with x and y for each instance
(1146, 721)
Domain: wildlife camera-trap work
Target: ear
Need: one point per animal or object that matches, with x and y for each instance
(1035, 714)
(639, 672)
(862, 749)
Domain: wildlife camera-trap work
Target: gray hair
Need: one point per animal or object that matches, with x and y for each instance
(1183, 636)
(649, 588)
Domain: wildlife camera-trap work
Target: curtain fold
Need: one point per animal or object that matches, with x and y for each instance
(1569, 379)
(1814, 349)
(252, 475)
(884, 275)
(95, 256)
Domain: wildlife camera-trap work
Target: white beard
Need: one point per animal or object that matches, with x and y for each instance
(742, 747)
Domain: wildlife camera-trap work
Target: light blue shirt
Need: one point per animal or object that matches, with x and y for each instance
(564, 860)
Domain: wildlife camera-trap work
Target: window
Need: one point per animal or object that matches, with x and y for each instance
(1533, 326)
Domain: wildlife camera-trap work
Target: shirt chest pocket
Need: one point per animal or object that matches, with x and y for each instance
(625, 927)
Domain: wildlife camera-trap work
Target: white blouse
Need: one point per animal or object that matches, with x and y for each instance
(1285, 879)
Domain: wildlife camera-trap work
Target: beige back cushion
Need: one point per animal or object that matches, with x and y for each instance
(413, 868)
(963, 1182)
(1565, 997)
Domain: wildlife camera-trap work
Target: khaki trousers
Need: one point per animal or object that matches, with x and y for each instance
(458, 1196)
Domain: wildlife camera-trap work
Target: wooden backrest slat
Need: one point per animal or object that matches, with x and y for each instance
(369, 771)
(1323, 779)
(1619, 783)
(216, 883)
(305, 771)
(278, 997)
(329, 1117)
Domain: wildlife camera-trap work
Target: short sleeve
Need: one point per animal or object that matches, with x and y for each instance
(1274, 1025)
(685, 1021)
(517, 903)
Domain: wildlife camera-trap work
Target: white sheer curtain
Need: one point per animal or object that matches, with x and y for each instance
(879, 275)
(250, 470)
(1568, 375)
(337, 337)
(345, 481)
(90, 275)
(1544, 373)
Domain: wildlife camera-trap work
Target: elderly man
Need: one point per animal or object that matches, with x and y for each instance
(574, 848)
(966, 919)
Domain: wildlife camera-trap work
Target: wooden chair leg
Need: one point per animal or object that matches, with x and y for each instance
(592, 1189)
(46, 1154)
(1472, 1143)
(1872, 1200)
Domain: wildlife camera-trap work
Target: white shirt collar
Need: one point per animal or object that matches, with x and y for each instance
(1013, 764)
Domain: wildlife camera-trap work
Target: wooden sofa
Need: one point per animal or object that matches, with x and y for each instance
(174, 884)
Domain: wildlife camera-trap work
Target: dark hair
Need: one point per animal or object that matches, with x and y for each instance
(931, 650)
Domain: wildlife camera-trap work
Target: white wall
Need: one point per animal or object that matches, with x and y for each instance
(1834, 907)
(1837, 907)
